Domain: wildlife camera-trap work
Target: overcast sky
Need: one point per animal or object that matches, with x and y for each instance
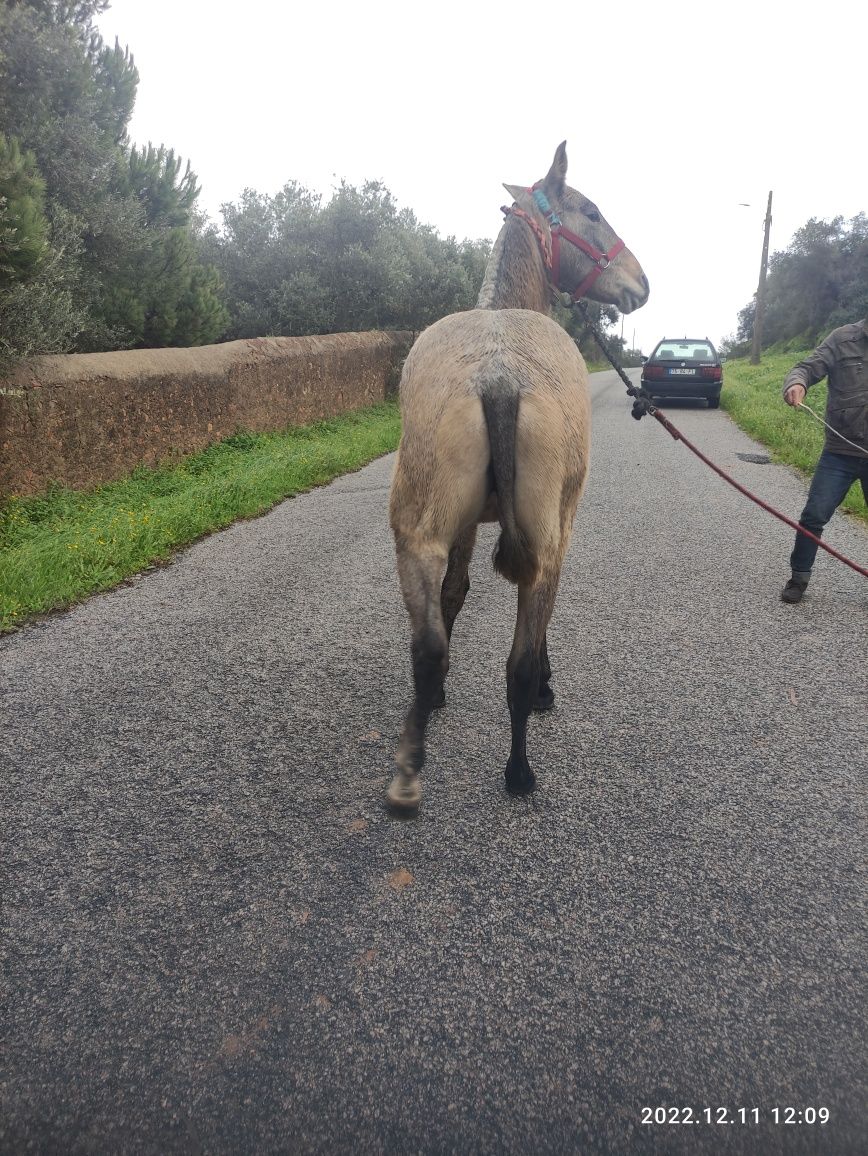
(673, 113)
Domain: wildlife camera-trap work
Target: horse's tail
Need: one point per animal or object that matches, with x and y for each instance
(513, 556)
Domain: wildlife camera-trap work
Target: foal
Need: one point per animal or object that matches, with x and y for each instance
(496, 427)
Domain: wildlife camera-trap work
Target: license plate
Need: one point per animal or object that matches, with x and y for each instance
(682, 372)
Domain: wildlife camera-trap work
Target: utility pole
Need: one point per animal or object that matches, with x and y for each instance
(756, 347)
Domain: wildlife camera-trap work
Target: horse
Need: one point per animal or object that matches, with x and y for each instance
(496, 427)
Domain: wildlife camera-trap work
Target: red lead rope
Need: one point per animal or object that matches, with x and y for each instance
(679, 437)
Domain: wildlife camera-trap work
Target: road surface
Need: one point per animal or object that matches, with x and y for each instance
(217, 941)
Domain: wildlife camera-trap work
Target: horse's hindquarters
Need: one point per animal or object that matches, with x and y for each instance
(552, 451)
(441, 482)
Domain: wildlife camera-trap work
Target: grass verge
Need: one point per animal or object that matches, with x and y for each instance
(63, 545)
(752, 397)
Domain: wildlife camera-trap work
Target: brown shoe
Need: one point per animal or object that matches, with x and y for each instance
(794, 590)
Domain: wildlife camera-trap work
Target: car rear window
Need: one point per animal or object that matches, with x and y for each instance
(684, 351)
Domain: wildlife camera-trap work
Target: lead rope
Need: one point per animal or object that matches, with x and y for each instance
(642, 404)
(802, 405)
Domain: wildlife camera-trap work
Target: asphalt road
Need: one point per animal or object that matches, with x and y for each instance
(217, 941)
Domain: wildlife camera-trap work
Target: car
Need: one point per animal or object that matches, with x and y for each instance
(684, 367)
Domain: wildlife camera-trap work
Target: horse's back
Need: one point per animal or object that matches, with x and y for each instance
(467, 353)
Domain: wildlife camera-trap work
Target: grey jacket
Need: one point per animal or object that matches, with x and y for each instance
(843, 358)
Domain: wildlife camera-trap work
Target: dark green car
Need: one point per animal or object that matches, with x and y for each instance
(684, 367)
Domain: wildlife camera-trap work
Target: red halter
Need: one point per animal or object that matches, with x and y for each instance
(552, 258)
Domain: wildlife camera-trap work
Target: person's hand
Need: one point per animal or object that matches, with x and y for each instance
(795, 395)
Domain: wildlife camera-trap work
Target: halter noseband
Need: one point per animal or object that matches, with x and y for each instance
(551, 251)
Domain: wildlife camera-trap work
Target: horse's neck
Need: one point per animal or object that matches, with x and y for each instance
(515, 277)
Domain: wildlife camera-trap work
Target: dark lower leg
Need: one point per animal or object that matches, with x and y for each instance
(421, 574)
(430, 662)
(527, 662)
(522, 687)
(545, 698)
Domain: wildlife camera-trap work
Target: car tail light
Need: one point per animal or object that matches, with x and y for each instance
(653, 371)
(715, 373)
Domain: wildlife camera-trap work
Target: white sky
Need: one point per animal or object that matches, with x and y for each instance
(673, 113)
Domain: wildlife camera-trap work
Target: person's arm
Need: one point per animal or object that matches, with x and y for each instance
(808, 372)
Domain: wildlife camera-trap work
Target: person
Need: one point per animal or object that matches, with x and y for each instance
(843, 358)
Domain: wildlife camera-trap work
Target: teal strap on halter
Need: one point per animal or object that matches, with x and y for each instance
(544, 207)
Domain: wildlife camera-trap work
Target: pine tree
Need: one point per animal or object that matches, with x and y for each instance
(23, 225)
(167, 195)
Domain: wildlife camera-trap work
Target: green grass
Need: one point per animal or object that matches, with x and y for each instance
(753, 398)
(63, 545)
(57, 548)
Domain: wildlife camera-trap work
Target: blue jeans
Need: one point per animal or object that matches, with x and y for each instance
(834, 476)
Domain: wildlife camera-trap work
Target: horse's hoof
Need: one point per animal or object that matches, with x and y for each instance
(404, 795)
(545, 700)
(519, 780)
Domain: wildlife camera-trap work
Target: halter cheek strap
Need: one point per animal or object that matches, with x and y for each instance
(558, 230)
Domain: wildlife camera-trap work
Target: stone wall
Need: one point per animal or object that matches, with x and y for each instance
(83, 419)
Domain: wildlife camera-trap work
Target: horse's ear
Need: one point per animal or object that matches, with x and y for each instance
(515, 191)
(557, 174)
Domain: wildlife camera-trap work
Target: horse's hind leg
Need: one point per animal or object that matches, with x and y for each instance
(439, 489)
(420, 571)
(455, 585)
(545, 698)
(528, 661)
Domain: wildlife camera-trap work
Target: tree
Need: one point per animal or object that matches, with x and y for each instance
(48, 312)
(818, 282)
(66, 96)
(162, 293)
(293, 265)
(23, 225)
(852, 302)
(601, 317)
(154, 178)
(119, 246)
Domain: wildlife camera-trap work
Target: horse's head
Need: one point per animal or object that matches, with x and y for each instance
(588, 259)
